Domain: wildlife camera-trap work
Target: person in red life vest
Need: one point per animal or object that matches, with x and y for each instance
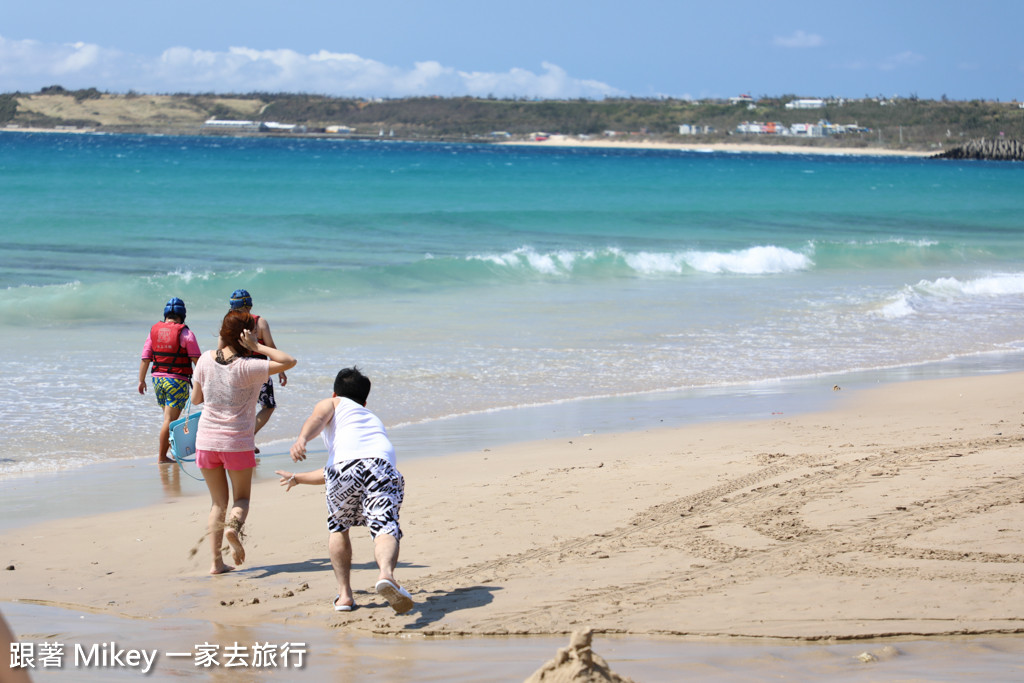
(241, 301)
(172, 350)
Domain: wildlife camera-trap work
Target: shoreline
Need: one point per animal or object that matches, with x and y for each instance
(134, 483)
(744, 147)
(563, 141)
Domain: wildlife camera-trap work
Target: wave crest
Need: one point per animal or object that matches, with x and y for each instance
(760, 260)
(927, 294)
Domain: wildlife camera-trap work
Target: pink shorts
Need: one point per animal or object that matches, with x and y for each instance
(229, 460)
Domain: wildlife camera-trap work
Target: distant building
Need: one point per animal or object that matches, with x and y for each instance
(340, 130)
(694, 129)
(741, 99)
(757, 128)
(805, 104)
(275, 127)
(807, 130)
(253, 126)
(223, 124)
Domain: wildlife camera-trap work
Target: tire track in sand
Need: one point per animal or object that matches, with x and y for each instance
(769, 501)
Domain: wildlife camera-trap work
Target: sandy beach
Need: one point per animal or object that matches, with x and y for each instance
(747, 147)
(896, 512)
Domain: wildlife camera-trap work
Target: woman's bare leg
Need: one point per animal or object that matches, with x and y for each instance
(241, 488)
(217, 483)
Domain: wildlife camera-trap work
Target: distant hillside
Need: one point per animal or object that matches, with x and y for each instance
(897, 123)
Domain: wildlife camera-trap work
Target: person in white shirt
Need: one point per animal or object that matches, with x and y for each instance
(364, 486)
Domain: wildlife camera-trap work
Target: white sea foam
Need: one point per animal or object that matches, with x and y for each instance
(899, 307)
(927, 293)
(650, 263)
(752, 261)
(899, 240)
(554, 263)
(187, 276)
(993, 285)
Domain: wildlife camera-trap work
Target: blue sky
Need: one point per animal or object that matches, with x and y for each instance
(963, 49)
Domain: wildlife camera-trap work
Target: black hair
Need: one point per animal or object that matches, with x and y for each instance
(352, 384)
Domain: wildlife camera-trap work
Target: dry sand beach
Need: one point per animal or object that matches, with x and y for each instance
(759, 147)
(897, 512)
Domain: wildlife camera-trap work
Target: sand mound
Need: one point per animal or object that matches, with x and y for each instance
(576, 663)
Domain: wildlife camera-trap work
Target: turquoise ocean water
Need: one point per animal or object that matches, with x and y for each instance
(484, 280)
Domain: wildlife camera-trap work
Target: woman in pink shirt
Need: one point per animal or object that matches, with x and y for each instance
(227, 382)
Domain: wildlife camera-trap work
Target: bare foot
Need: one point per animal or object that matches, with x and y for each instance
(237, 551)
(165, 461)
(221, 569)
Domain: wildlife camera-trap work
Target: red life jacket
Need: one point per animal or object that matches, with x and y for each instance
(258, 338)
(169, 355)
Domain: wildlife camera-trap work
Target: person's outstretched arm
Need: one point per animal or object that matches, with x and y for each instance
(323, 413)
(289, 479)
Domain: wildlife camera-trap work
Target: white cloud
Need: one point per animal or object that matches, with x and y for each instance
(898, 61)
(24, 61)
(901, 60)
(28, 65)
(799, 39)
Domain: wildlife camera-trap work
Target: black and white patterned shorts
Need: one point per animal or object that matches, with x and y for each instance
(266, 398)
(367, 492)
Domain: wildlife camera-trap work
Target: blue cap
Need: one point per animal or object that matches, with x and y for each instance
(175, 306)
(240, 298)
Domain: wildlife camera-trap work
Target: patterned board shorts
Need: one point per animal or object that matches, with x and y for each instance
(171, 391)
(267, 395)
(366, 492)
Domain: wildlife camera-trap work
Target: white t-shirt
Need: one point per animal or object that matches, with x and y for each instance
(355, 433)
(230, 393)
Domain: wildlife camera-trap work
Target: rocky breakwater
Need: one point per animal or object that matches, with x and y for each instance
(998, 149)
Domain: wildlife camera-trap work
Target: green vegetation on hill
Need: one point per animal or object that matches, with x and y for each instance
(909, 123)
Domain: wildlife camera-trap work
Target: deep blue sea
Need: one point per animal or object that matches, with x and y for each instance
(482, 280)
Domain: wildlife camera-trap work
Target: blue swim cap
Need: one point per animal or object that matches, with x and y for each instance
(175, 306)
(240, 298)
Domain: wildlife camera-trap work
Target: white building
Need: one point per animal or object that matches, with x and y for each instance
(275, 127)
(807, 130)
(805, 104)
(224, 124)
(694, 129)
